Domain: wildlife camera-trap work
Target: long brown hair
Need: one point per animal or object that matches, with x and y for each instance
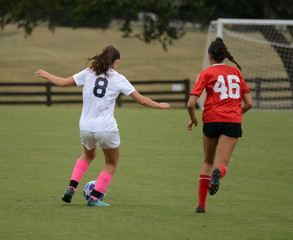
(105, 60)
(219, 52)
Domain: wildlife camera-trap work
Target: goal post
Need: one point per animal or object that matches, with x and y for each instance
(264, 49)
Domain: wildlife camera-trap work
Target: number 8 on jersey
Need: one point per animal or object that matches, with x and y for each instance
(100, 87)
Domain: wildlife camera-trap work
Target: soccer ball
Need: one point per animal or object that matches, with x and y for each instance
(88, 188)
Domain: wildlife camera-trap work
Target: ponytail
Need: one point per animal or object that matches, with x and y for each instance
(219, 52)
(105, 60)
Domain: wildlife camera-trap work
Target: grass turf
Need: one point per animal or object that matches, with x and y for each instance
(153, 194)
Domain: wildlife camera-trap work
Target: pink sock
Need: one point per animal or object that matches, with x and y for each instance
(79, 170)
(223, 170)
(103, 182)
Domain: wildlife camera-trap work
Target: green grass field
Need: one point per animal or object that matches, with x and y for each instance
(153, 194)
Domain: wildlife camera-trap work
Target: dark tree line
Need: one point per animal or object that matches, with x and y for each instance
(163, 20)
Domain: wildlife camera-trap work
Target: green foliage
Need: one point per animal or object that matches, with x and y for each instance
(163, 20)
(153, 194)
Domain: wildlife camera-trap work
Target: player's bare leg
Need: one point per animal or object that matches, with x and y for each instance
(225, 149)
(79, 170)
(111, 160)
(88, 155)
(210, 146)
(104, 179)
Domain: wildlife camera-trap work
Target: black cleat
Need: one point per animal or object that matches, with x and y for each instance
(68, 195)
(215, 181)
(199, 209)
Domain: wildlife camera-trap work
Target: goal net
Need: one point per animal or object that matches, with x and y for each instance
(264, 50)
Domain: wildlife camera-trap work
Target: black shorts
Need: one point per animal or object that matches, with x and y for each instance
(215, 129)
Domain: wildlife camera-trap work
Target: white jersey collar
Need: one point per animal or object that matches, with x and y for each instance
(216, 64)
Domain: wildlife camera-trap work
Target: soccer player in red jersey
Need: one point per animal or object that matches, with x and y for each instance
(222, 116)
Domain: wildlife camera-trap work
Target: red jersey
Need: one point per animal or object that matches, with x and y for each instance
(224, 87)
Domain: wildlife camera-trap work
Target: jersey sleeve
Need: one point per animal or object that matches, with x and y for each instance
(80, 77)
(199, 85)
(245, 89)
(126, 87)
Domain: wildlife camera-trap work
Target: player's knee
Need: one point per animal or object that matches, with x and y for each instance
(90, 156)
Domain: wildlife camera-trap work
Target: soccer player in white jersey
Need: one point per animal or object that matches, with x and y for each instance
(101, 86)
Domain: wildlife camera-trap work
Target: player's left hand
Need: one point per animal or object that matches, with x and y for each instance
(189, 126)
(164, 105)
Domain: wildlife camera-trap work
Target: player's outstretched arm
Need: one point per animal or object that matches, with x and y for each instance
(59, 81)
(145, 101)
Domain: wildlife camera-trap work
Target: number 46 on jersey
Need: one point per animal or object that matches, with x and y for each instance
(232, 90)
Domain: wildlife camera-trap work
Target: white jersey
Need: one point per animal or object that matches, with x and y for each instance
(99, 97)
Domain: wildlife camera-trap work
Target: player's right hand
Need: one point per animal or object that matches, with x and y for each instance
(42, 73)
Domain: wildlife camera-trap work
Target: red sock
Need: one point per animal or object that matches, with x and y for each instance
(223, 170)
(204, 181)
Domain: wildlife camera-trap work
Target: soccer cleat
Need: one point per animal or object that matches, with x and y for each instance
(199, 209)
(96, 203)
(215, 181)
(68, 195)
(102, 198)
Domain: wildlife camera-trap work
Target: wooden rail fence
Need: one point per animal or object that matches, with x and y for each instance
(44, 93)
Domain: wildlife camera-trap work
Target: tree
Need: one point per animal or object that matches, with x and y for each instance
(27, 14)
(163, 20)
